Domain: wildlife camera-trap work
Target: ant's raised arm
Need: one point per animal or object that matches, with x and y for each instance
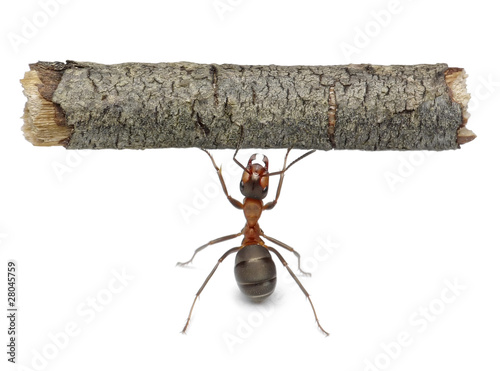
(237, 204)
(273, 203)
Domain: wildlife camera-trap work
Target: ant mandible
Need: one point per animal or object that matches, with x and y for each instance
(254, 269)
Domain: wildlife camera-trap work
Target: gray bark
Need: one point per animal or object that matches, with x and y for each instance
(184, 104)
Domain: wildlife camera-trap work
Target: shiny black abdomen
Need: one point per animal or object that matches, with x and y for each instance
(255, 272)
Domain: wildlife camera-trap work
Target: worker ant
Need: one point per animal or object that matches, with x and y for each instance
(254, 270)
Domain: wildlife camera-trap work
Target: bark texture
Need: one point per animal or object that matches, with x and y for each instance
(137, 106)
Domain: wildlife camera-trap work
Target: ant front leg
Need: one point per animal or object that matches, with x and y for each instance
(237, 204)
(273, 203)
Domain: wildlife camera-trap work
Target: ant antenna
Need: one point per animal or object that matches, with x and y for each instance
(293, 162)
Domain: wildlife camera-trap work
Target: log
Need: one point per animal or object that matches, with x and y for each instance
(81, 105)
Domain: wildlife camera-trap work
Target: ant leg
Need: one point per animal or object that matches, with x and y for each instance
(300, 285)
(289, 248)
(228, 252)
(237, 162)
(237, 204)
(273, 203)
(213, 242)
(237, 149)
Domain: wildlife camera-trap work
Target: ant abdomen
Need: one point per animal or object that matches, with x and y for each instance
(255, 272)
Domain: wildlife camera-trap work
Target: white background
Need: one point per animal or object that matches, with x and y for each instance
(382, 251)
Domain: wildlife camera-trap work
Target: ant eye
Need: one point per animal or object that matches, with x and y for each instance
(241, 186)
(264, 190)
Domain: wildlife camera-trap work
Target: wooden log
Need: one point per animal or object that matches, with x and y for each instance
(137, 105)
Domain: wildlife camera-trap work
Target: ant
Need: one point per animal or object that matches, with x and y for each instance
(254, 270)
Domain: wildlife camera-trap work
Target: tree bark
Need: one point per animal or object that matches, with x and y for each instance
(137, 106)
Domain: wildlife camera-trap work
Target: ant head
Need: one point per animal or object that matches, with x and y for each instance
(255, 180)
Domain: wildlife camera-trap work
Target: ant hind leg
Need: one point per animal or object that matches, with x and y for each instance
(300, 285)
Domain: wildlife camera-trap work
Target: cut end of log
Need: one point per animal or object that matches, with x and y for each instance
(465, 135)
(40, 117)
(456, 81)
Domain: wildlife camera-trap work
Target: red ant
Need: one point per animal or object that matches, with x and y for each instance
(254, 269)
